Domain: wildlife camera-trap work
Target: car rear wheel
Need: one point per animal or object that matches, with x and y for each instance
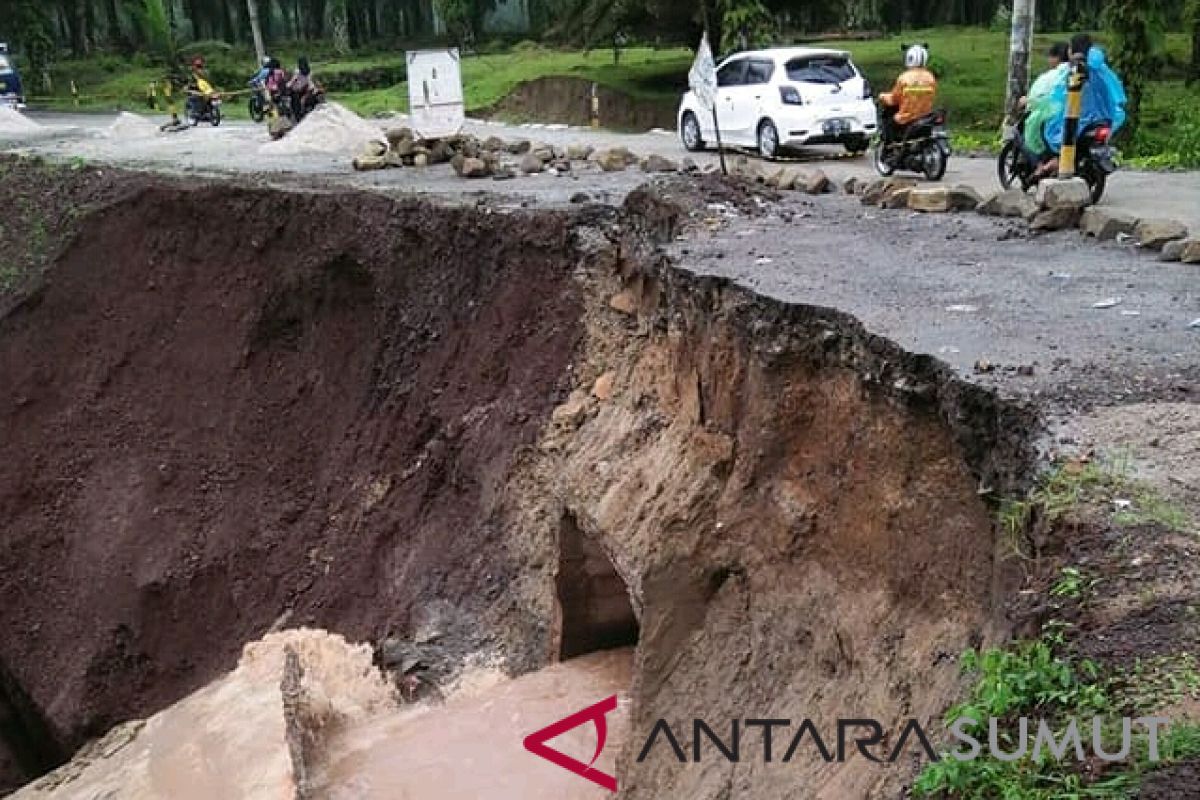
(858, 145)
(689, 132)
(768, 139)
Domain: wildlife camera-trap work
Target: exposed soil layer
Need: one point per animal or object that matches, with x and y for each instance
(228, 405)
(229, 409)
(568, 101)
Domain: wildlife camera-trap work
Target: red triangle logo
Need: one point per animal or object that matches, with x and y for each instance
(536, 742)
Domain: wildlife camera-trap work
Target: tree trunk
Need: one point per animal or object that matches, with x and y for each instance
(1194, 72)
(1018, 57)
(339, 25)
(260, 48)
(113, 19)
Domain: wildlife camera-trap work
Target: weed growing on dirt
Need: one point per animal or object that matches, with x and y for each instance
(1036, 679)
(1072, 584)
(1160, 681)
(1072, 488)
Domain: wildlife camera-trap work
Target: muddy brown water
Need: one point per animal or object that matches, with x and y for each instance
(471, 747)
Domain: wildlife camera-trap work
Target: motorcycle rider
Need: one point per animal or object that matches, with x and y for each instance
(303, 90)
(913, 95)
(1041, 104)
(200, 89)
(1103, 100)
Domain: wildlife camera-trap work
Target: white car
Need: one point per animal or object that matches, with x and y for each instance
(781, 98)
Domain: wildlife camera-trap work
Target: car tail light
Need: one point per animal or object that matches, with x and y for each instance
(790, 96)
(1102, 134)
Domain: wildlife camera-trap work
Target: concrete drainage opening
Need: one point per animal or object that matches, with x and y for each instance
(595, 612)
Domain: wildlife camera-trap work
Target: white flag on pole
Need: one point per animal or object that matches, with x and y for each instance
(703, 76)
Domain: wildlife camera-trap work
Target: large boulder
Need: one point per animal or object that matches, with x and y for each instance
(940, 199)
(657, 163)
(1190, 252)
(744, 167)
(471, 167)
(580, 152)
(1010, 203)
(494, 144)
(614, 159)
(897, 198)
(1154, 233)
(876, 190)
(531, 164)
(1056, 219)
(1106, 224)
(365, 163)
(1064, 193)
(1173, 250)
(813, 181)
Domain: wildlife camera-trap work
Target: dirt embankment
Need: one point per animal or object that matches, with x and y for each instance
(230, 409)
(227, 405)
(566, 100)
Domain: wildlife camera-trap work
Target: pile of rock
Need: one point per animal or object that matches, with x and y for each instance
(1057, 205)
(775, 176)
(493, 157)
(896, 193)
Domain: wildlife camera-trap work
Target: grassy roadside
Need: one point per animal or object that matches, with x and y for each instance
(1101, 649)
(970, 61)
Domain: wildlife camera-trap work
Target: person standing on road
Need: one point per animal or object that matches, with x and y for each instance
(913, 95)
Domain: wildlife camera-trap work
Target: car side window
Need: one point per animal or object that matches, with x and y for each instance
(759, 72)
(733, 73)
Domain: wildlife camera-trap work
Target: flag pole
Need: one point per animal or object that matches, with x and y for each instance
(720, 147)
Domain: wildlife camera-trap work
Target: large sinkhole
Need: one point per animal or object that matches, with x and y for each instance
(350, 412)
(594, 609)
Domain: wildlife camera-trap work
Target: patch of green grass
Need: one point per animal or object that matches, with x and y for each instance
(1037, 681)
(1099, 484)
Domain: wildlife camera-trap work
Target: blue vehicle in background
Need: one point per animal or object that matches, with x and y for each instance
(11, 93)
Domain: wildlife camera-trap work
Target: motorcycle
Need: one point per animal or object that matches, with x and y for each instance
(923, 146)
(1095, 160)
(203, 108)
(258, 101)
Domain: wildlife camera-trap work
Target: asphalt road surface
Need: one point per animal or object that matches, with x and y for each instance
(237, 147)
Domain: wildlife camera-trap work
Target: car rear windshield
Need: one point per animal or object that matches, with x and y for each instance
(821, 69)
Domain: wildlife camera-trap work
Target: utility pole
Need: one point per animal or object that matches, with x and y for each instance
(1018, 59)
(256, 29)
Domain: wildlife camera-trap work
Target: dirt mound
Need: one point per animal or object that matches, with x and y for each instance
(567, 100)
(131, 126)
(330, 129)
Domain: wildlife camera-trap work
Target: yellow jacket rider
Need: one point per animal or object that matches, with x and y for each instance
(915, 91)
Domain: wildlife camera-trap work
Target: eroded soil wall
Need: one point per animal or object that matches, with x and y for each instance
(225, 406)
(227, 409)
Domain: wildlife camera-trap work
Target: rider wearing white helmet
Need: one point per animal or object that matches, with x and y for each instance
(915, 91)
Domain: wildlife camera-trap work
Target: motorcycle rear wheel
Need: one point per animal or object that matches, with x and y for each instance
(934, 162)
(879, 157)
(215, 116)
(1096, 181)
